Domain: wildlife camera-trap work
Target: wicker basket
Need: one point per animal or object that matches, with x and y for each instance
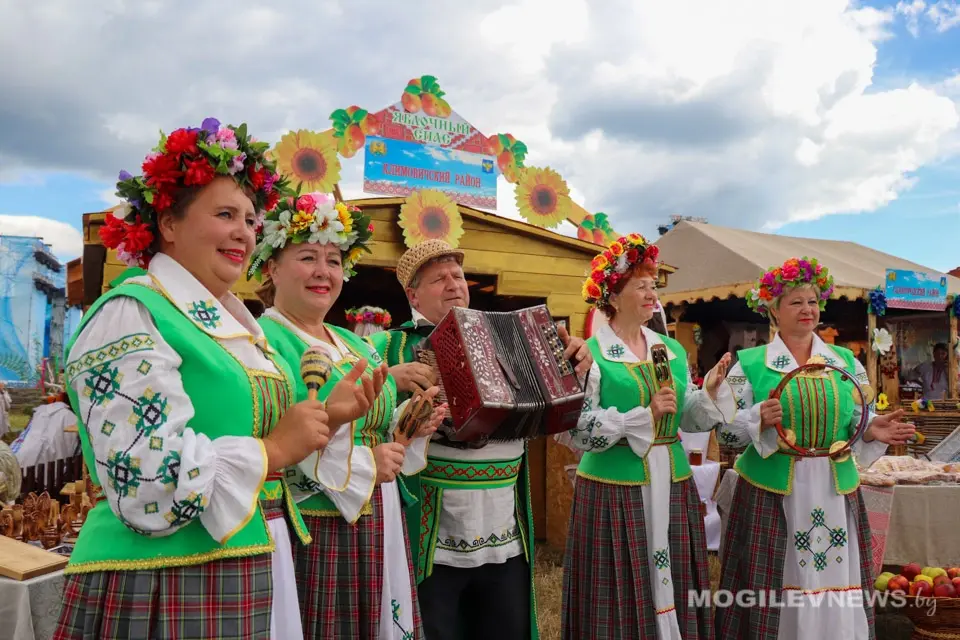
(939, 616)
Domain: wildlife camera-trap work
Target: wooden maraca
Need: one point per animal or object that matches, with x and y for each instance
(315, 368)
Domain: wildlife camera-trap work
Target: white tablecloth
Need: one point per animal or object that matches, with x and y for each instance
(705, 476)
(29, 609)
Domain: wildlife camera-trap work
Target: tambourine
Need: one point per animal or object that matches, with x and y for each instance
(840, 450)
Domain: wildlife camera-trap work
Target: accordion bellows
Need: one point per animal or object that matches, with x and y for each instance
(503, 374)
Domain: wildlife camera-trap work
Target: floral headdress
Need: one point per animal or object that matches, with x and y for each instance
(369, 315)
(795, 272)
(316, 218)
(187, 157)
(609, 267)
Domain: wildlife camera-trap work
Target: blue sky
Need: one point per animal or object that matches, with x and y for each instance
(577, 92)
(923, 224)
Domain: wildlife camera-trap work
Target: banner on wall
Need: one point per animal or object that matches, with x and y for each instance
(915, 290)
(424, 144)
(400, 167)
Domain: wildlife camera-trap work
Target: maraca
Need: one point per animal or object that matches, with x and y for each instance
(315, 368)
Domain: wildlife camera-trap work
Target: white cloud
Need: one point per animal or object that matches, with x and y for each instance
(65, 240)
(912, 11)
(746, 112)
(109, 196)
(942, 15)
(945, 15)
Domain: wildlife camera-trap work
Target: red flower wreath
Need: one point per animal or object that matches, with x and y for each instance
(187, 157)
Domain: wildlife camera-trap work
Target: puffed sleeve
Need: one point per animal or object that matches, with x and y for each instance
(344, 472)
(158, 474)
(866, 453)
(701, 412)
(598, 428)
(744, 429)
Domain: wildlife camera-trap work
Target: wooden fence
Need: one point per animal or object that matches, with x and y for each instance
(51, 477)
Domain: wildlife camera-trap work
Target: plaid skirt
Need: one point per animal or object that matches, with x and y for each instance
(606, 592)
(229, 598)
(340, 576)
(753, 557)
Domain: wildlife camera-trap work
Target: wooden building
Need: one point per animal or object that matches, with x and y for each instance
(509, 265)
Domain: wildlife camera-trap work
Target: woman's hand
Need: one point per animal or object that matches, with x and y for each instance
(771, 413)
(717, 375)
(413, 376)
(302, 430)
(889, 430)
(348, 401)
(664, 402)
(389, 459)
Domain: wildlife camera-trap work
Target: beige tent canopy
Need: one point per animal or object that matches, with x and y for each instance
(719, 262)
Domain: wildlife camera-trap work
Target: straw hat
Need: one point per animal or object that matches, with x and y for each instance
(418, 255)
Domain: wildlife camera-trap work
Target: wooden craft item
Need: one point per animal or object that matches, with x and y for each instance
(22, 561)
(417, 411)
(661, 365)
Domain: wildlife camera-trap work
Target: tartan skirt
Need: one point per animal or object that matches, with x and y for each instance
(340, 575)
(229, 598)
(753, 557)
(606, 579)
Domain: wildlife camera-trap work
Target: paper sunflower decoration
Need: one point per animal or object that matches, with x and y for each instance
(309, 159)
(543, 197)
(882, 402)
(430, 215)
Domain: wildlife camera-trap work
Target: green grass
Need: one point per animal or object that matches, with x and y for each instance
(18, 422)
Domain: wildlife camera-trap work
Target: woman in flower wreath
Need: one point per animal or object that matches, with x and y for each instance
(368, 320)
(798, 527)
(356, 580)
(636, 542)
(186, 416)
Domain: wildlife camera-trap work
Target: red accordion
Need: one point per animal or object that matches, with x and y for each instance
(503, 374)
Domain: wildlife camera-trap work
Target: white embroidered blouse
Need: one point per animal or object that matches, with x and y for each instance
(744, 429)
(600, 428)
(346, 473)
(224, 476)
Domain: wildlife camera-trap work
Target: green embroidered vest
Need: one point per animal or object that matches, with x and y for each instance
(369, 431)
(396, 347)
(228, 400)
(625, 386)
(818, 410)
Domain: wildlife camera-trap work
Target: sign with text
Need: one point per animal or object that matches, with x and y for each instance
(398, 167)
(916, 290)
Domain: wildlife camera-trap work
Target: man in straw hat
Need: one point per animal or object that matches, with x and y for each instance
(472, 546)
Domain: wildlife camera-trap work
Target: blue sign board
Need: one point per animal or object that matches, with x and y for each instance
(916, 290)
(400, 167)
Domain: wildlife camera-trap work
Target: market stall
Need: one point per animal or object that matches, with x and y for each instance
(913, 325)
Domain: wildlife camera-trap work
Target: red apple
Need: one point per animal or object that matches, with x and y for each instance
(953, 572)
(898, 584)
(941, 580)
(410, 102)
(429, 102)
(944, 590)
(923, 589)
(956, 583)
(370, 125)
(911, 571)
